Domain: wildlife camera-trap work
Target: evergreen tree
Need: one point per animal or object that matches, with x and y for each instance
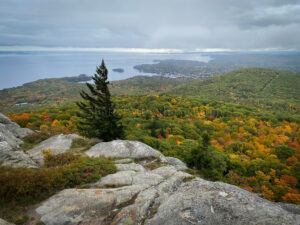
(209, 161)
(98, 117)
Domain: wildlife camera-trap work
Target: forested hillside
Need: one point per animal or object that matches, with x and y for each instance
(185, 68)
(58, 91)
(145, 85)
(277, 61)
(245, 146)
(268, 89)
(263, 88)
(44, 92)
(222, 63)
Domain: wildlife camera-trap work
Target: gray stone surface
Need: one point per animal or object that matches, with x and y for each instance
(290, 207)
(204, 202)
(165, 195)
(165, 171)
(4, 119)
(10, 134)
(148, 200)
(14, 128)
(176, 163)
(19, 132)
(57, 144)
(124, 149)
(8, 137)
(16, 159)
(4, 146)
(85, 206)
(130, 178)
(130, 166)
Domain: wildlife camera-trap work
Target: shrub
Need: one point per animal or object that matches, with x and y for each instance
(284, 152)
(58, 160)
(209, 161)
(31, 185)
(295, 171)
(156, 143)
(264, 166)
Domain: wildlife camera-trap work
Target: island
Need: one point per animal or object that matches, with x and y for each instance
(119, 70)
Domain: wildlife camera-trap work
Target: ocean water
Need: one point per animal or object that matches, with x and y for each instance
(17, 68)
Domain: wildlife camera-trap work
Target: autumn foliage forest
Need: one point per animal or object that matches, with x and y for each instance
(245, 146)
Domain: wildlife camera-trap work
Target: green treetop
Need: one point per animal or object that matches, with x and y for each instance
(98, 117)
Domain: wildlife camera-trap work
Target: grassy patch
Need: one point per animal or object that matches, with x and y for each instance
(188, 179)
(192, 171)
(22, 220)
(154, 164)
(11, 212)
(33, 139)
(150, 163)
(114, 185)
(83, 144)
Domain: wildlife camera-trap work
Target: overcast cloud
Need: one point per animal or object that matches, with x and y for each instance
(172, 24)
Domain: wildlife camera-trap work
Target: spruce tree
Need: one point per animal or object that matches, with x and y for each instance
(98, 117)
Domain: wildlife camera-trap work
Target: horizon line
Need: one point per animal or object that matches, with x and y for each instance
(138, 50)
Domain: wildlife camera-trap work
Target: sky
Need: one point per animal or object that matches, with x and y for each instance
(139, 25)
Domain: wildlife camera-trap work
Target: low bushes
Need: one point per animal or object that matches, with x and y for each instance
(62, 171)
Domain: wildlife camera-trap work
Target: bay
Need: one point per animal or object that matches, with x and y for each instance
(17, 68)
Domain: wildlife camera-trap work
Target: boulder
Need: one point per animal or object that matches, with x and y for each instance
(124, 149)
(19, 132)
(14, 128)
(204, 202)
(178, 164)
(16, 159)
(57, 144)
(4, 119)
(10, 134)
(8, 137)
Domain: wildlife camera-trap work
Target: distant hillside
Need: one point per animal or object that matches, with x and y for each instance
(221, 63)
(277, 61)
(266, 88)
(44, 92)
(140, 85)
(57, 91)
(184, 68)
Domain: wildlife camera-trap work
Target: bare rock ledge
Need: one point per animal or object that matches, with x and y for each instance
(165, 195)
(10, 134)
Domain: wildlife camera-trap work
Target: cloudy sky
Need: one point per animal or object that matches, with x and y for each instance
(166, 24)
